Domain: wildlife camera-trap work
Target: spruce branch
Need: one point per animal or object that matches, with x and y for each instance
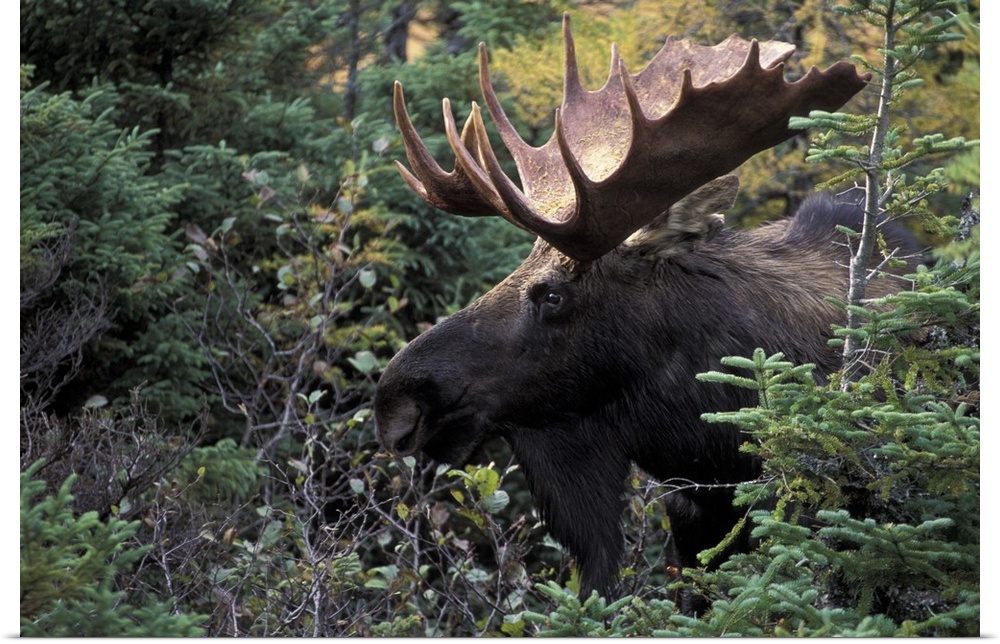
(909, 28)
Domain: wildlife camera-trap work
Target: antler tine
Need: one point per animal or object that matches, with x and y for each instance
(543, 174)
(554, 181)
(455, 191)
(620, 156)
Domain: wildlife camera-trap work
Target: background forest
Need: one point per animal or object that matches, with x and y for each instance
(218, 258)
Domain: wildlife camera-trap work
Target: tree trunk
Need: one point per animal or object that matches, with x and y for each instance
(396, 34)
(858, 280)
(352, 91)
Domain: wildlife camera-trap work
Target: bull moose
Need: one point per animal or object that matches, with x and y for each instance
(584, 358)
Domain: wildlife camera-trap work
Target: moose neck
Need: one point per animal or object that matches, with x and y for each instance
(744, 290)
(724, 297)
(578, 483)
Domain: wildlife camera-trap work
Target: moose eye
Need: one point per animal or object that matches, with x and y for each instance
(550, 301)
(552, 305)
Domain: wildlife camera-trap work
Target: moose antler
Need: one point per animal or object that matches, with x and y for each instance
(622, 155)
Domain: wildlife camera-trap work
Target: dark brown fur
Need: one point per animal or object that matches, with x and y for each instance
(587, 368)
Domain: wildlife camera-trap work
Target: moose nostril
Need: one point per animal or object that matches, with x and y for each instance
(405, 445)
(397, 423)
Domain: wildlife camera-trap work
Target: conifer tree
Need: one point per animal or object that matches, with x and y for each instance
(69, 569)
(909, 28)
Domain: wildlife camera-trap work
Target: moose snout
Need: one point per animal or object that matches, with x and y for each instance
(397, 423)
(430, 398)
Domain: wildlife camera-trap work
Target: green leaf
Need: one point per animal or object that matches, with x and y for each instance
(364, 361)
(495, 502)
(367, 277)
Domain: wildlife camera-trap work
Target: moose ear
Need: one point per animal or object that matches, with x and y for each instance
(694, 218)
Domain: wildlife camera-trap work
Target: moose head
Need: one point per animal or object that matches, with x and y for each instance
(584, 358)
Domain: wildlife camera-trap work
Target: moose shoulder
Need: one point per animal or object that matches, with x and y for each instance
(584, 358)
